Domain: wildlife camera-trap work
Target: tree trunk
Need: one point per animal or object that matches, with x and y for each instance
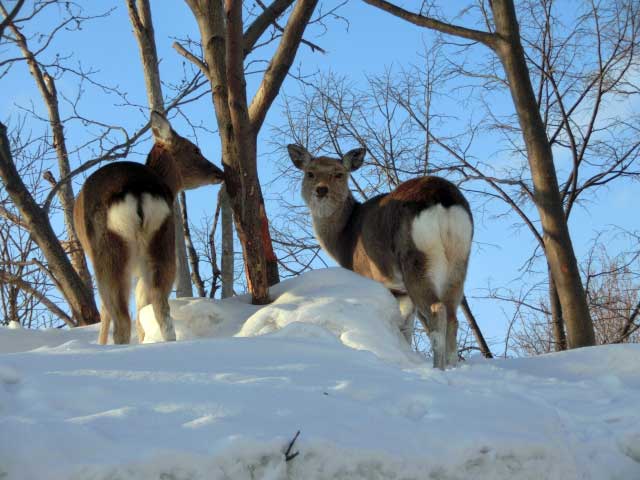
(227, 258)
(557, 322)
(238, 145)
(225, 48)
(140, 15)
(273, 275)
(196, 278)
(65, 193)
(75, 291)
(245, 197)
(558, 246)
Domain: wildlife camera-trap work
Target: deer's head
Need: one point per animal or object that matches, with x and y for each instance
(188, 165)
(325, 186)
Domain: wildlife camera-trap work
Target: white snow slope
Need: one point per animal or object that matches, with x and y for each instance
(325, 358)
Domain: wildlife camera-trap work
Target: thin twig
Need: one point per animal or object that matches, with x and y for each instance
(288, 455)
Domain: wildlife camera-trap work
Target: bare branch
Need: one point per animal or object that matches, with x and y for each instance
(268, 16)
(488, 39)
(37, 294)
(192, 58)
(9, 16)
(281, 62)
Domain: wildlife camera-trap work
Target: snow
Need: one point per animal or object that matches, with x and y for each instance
(325, 358)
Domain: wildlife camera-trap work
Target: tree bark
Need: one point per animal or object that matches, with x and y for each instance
(75, 291)
(140, 16)
(557, 322)
(227, 258)
(558, 246)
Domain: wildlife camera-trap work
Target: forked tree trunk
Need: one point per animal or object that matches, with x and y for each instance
(140, 16)
(225, 48)
(78, 295)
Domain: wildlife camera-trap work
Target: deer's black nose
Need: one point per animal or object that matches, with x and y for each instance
(322, 191)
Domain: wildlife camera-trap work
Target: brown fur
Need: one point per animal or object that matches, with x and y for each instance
(173, 164)
(374, 239)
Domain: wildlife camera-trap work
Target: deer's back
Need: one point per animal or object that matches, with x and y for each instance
(382, 229)
(125, 198)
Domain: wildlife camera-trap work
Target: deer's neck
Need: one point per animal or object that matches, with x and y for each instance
(333, 232)
(162, 163)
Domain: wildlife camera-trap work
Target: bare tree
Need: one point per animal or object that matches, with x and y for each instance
(47, 86)
(613, 292)
(503, 38)
(226, 42)
(26, 292)
(78, 295)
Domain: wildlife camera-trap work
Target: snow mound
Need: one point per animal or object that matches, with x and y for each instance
(226, 407)
(364, 316)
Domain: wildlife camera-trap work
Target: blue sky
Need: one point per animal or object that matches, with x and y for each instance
(371, 42)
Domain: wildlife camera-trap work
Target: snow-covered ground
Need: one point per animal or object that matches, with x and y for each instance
(326, 359)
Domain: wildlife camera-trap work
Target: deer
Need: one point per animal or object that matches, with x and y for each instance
(415, 240)
(124, 220)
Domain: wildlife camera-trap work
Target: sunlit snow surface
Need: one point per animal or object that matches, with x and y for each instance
(326, 359)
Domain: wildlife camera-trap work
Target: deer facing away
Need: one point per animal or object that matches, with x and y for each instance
(123, 216)
(415, 240)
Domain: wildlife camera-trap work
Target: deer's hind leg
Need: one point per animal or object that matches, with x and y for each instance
(114, 284)
(452, 298)
(407, 312)
(431, 311)
(161, 274)
(105, 323)
(142, 298)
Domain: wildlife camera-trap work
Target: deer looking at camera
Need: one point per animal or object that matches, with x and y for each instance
(415, 240)
(124, 220)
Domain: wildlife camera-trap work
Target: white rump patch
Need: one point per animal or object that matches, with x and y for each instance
(444, 234)
(155, 211)
(123, 219)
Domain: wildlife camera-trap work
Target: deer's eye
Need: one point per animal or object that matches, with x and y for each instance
(310, 175)
(338, 175)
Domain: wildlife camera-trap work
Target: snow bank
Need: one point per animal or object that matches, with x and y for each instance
(359, 312)
(227, 406)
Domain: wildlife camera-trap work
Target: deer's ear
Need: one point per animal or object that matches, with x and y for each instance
(161, 127)
(353, 159)
(300, 157)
